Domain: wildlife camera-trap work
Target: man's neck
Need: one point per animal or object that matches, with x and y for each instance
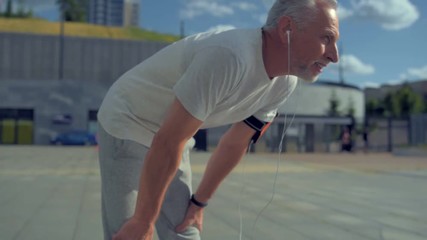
(274, 53)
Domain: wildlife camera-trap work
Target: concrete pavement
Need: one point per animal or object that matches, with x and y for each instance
(53, 193)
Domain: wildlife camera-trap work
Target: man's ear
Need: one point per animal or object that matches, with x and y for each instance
(284, 24)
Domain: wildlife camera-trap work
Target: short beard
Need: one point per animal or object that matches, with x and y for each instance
(305, 75)
(312, 80)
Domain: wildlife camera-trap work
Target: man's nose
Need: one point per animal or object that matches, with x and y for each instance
(332, 53)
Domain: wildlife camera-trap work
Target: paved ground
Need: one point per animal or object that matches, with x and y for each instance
(53, 193)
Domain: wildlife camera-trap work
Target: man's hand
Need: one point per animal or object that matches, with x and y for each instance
(194, 217)
(135, 230)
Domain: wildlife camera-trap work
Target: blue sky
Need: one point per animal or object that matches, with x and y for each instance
(383, 41)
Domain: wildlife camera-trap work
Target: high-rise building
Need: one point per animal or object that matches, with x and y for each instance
(131, 13)
(113, 12)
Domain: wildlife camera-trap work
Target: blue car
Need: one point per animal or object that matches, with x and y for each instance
(75, 138)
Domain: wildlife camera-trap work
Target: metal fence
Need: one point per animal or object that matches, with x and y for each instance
(418, 129)
(385, 134)
(43, 57)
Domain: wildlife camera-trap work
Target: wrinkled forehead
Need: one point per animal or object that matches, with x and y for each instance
(328, 19)
(334, 22)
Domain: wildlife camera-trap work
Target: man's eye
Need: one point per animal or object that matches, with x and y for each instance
(327, 39)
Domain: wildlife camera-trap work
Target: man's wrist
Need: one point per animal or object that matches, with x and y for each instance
(198, 203)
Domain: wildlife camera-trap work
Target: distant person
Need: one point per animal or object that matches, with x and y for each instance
(237, 77)
(365, 136)
(346, 140)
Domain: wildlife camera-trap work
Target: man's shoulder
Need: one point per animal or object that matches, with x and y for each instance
(228, 32)
(232, 38)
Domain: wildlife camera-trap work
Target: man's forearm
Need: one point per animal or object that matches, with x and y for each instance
(221, 163)
(160, 166)
(162, 162)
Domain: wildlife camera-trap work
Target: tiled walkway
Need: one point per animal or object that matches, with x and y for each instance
(53, 193)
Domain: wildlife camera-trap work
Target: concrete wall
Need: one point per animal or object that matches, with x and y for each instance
(51, 98)
(38, 57)
(31, 76)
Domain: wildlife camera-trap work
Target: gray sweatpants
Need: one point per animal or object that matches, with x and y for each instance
(120, 165)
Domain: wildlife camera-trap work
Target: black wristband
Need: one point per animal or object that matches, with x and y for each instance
(197, 203)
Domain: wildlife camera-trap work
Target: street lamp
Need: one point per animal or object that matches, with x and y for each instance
(63, 7)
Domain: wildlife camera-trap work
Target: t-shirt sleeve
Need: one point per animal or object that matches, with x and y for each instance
(266, 115)
(208, 79)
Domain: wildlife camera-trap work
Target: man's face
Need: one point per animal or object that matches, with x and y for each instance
(314, 46)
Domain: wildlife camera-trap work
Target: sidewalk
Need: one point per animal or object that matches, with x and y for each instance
(53, 193)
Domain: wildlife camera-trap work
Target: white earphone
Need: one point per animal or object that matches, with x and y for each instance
(288, 33)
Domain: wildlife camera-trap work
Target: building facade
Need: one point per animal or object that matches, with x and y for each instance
(113, 12)
(131, 13)
(36, 105)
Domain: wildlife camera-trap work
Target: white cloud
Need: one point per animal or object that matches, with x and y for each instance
(389, 14)
(415, 73)
(351, 64)
(371, 85)
(409, 75)
(403, 76)
(418, 72)
(344, 13)
(195, 8)
(221, 28)
(245, 6)
(395, 82)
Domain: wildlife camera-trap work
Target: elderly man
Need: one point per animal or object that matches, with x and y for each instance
(237, 77)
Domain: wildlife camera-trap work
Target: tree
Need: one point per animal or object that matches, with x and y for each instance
(409, 101)
(20, 13)
(73, 10)
(351, 109)
(9, 9)
(334, 103)
(374, 107)
(401, 103)
(391, 105)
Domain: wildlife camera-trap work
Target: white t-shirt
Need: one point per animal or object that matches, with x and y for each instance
(219, 77)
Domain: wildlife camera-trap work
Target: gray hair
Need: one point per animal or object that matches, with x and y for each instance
(301, 11)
